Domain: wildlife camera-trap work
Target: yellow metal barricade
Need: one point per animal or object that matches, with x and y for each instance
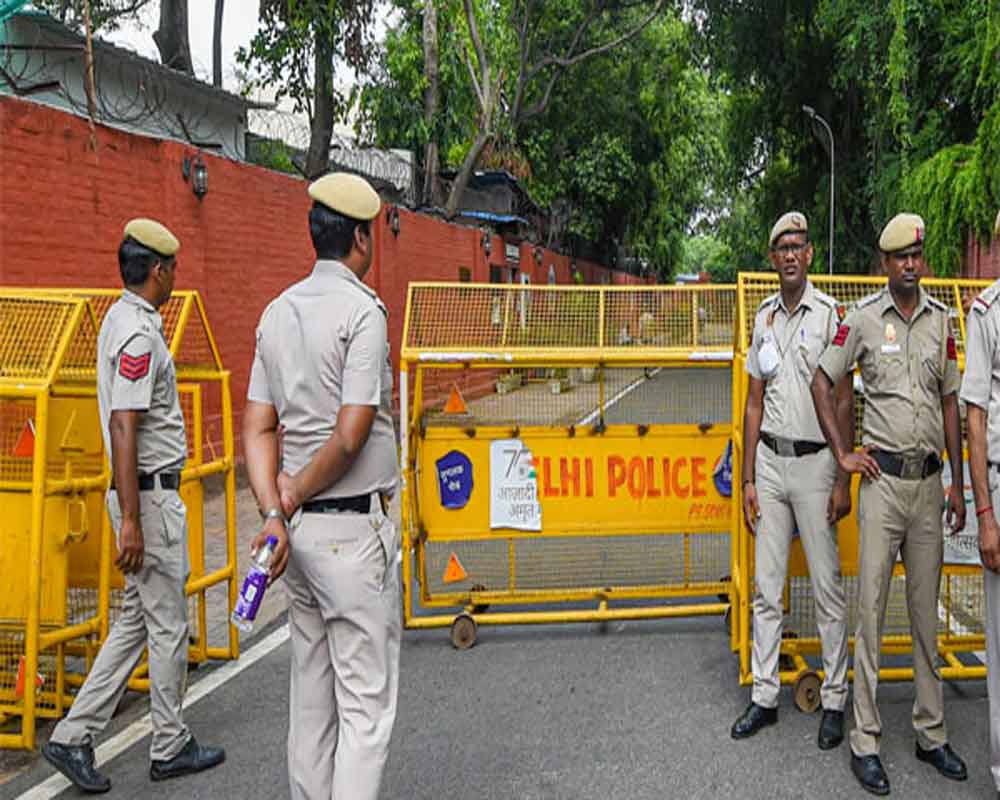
(587, 476)
(960, 628)
(56, 548)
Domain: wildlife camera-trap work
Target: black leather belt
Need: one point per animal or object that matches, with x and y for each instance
(910, 468)
(359, 504)
(171, 481)
(789, 447)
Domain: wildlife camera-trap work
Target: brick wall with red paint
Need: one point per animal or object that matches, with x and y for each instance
(63, 206)
(981, 260)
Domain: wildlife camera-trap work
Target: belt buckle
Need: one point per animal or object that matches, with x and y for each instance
(912, 469)
(786, 447)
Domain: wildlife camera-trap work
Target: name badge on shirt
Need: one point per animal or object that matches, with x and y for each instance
(890, 348)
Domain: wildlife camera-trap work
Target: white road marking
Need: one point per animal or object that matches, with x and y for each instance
(143, 727)
(587, 420)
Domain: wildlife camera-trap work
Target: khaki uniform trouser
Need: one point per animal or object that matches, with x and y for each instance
(897, 515)
(345, 618)
(154, 613)
(795, 492)
(991, 586)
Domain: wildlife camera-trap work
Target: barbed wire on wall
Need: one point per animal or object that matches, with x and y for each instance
(42, 58)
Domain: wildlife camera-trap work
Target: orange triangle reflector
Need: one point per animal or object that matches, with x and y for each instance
(455, 404)
(19, 686)
(25, 446)
(454, 572)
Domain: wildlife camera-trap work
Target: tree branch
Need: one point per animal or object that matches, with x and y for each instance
(568, 60)
(477, 43)
(475, 81)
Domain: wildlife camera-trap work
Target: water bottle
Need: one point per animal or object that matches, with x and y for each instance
(248, 603)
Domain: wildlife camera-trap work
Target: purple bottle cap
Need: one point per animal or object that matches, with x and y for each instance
(272, 541)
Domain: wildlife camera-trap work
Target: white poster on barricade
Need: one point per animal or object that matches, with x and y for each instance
(513, 487)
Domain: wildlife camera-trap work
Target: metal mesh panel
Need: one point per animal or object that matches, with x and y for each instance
(556, 563)
(960, 608)
(12, 648)
(676, 317)
(464, 317)
(650, 396)
(80, 361)
(30, 332)
(14, 417)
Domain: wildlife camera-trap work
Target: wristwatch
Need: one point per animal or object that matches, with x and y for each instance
(274, 513)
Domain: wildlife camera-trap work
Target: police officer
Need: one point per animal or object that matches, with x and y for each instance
(322, 375)
(790, 478)
(900, 338)
(981, 393)
(144, 436)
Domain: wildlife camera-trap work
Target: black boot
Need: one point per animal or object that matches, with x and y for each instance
(870, 774)
(76, 762)
(831, 730)
(193, 757)
(752, 720)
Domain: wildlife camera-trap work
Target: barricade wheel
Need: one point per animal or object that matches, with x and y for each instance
(463, 632)
(807, 695)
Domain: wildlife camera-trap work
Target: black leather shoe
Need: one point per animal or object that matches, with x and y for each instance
(944, 760)
(868, 770)
(76, 762)
(752, 720)
(193, 757)
(831, 730)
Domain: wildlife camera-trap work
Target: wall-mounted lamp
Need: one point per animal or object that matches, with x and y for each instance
(392, 219)
(197, 171)
(486, 240)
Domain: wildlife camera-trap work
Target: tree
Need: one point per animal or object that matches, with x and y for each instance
(294, 52)
(432, 103)
(220, 6)
(171, 37)
(106, 15)
(549, 42)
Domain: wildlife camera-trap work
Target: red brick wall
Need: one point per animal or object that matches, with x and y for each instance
(63, 206)
(981, 261)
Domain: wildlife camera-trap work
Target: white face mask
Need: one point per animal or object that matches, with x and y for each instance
(768, 358)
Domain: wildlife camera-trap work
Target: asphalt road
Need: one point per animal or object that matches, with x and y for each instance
(630, 710)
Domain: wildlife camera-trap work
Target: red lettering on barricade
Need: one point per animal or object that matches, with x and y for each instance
(698, 477)
(680, 491)
(636, 478)
(616, 474)
(666, 477)
(549, 490)
(588, 471)
(569, 480)
(651, 490)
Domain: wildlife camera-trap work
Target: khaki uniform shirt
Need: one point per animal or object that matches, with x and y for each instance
(135, 372)
(800, 339)
(906, 367)
(981, 384)
(323, 344)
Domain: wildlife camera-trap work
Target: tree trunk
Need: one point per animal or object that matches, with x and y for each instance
(432, 102)
(464, 174)
(321, 124)
(172, 36)
(217, 45)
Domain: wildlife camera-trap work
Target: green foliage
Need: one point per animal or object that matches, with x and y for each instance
(106, 16)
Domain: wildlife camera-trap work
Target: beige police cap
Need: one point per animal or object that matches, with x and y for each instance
(792, 222)
(902, 231)
(152, 234)
(346, 194)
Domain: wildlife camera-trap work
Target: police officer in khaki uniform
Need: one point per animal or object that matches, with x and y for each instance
(900, 338)
(322, 376)
(790, 478)
(144, 436)
(981, 393)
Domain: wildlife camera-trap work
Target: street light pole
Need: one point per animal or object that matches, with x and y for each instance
(813, 115)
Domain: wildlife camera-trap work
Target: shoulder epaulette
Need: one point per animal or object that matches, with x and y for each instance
(935, 303)
(986, 298)
(869, 299)
(770, 299)
(824, 298)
